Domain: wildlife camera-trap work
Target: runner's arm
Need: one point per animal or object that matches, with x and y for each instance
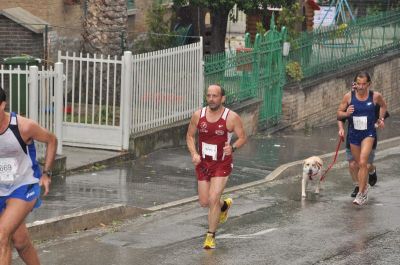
(191, 133)
(382, 103)
(340, 124)
(30, 130)
(344, 109)
(239, 131)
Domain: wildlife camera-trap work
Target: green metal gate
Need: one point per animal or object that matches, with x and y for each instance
(256, 71)
(270, 74)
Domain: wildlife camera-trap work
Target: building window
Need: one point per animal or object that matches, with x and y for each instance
(130, 4)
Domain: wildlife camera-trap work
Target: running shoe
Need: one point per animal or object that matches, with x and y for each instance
(209, 243)
(372, 178)
(355, 191)
(361, 198)
(224, 215)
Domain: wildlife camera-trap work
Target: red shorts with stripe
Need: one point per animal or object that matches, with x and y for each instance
(210, 169)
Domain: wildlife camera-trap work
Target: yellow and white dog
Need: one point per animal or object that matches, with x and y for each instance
(312, 171)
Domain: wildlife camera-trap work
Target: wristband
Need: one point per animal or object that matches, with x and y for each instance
(48, 173)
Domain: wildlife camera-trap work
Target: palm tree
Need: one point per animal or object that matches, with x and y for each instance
(104, 25)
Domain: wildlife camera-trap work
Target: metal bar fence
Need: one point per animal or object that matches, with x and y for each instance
(332, 48)
(167, 86)
(29, 87)
(256, 71)
(92, 89)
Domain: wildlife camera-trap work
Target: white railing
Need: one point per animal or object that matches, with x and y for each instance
(15, 82)
(93, 97)
(167, 86)
(92, 89)
(106, 99)
(37, 95)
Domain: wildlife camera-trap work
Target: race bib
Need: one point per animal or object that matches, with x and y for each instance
(209, 150)
(360, 123)
(8, 170)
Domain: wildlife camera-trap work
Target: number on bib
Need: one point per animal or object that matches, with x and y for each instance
(209, 150)
(360, 123)
(8, 170)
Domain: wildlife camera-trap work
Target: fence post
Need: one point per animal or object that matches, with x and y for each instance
(33, 93)
(126, 100)
(201, 81)
(58, 104)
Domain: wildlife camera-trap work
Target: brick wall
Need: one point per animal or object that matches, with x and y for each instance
(315, 102)
(16, 40)
(137, 22)
(67, 18)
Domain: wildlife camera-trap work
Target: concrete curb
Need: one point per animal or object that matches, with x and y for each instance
(65, 224)
(83, 220)
(287, 170)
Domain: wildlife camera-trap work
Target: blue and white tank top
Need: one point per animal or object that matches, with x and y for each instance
(363, 118)
(18, 165)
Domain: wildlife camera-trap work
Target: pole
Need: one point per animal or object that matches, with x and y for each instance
(46, 39)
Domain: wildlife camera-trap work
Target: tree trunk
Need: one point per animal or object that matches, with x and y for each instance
(103, 26)
(219, 20)
(213, 34)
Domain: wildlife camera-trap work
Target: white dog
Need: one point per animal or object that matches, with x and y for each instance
(312, 171)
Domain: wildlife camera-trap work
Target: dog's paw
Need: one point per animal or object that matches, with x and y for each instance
(303, 195)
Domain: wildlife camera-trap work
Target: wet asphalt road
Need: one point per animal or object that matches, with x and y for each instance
(168, 175)
(269, 224)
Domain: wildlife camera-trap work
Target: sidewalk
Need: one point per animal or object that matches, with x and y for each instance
(168, 175)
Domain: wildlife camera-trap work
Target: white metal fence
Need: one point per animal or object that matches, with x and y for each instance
(106, 99)
(167, 86)
(99, 102)
(92, 98)
(36, 94)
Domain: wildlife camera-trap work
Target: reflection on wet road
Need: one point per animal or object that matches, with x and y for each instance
(168, 175)
(268, 224)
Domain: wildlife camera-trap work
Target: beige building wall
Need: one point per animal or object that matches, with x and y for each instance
(66, 18)
(137, 17)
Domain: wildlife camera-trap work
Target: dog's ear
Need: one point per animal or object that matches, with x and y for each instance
(318, 164)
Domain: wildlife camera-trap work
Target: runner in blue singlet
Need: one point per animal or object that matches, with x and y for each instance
(359, 107)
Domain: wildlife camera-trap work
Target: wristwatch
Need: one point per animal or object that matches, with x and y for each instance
(49, 173)
(233, 148)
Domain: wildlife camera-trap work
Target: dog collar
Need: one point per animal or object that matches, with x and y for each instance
(312, 175)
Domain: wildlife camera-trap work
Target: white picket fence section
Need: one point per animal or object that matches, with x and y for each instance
(99, 102)
(93, 94)
(167, 86)
(108, 99)
(36, 94)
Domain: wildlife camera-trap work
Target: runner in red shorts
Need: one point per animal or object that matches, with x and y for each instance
(215, 126)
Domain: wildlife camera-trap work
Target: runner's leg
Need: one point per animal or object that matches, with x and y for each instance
(361, 154)
(203, 189)
(217, 186)
(23, 244)
(12, 217)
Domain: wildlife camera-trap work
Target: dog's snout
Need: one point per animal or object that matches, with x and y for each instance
(310, 171)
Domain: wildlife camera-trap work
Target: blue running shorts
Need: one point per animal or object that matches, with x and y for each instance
(26, 192)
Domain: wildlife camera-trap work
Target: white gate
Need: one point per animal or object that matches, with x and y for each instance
(92, 101)
(36, 94)
(107, 99)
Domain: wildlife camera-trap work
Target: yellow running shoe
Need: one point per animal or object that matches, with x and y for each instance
(224, 215)
(209, 243)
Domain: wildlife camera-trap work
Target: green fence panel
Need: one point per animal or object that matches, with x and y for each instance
(256, 71)
(332, 48)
